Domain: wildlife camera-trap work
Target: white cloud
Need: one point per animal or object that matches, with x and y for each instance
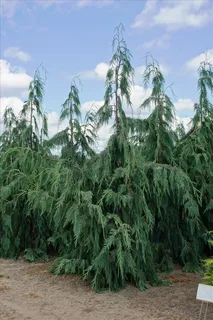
(139, 71)
(186, 121)
(175, 15)
(142, 19)
(84, 3)
(138, 96)
(15, 52)
(53, 118)
(47, 3)
(24, 95)
(8, 8)
(184, 105)
(13, 102)
(97, 3)
(160, 42)
(78, 3)
(99, 72)
(53, 123)
(194, 63)
(13, 80)
(164, 69)
(88, 105)
(103, 134)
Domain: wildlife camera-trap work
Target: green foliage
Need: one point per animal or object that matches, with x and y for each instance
(35, 255)
(159, 137)
(118, 82)
(137, 207)
(77, 138)
(23, 224)
(209, 272)
(32, 110)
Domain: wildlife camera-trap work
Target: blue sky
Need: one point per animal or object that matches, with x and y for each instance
(74, 38)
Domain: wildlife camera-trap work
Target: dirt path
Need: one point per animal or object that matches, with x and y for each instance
(28, 291)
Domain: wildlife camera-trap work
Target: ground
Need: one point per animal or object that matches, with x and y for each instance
(29, 291)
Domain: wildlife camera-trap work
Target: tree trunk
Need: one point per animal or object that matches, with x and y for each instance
(116, 101)
(31, 125)
(71, 120)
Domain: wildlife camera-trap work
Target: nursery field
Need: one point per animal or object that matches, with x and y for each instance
(29, 291)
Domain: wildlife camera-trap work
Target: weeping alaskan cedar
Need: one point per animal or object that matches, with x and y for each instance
(126, 213)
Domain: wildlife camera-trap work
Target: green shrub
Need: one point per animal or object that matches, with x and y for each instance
(209, 270)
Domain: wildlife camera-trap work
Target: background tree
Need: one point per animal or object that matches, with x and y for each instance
(77, 138)
(195, 149)
(119, 79)
(10, 121)
(159, 136)
(32, 110)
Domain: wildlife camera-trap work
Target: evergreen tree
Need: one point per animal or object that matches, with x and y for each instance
(195, 149)
(159, 136)
(32, 110)
(10, 121)
(141, 204)
(118, 82)
(16, 133)
(131, 208)
(77, 138)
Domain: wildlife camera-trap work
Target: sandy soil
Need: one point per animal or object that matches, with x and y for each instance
(28, 291)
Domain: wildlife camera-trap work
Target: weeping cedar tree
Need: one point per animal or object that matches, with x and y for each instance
(130, 215)
(127, 212)
(16, 131)
(21, 227)
(118, 81)
(10, 122)
(159, 137)
(76, 139)
(194, 151)
(32, 110)
(25, 130)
